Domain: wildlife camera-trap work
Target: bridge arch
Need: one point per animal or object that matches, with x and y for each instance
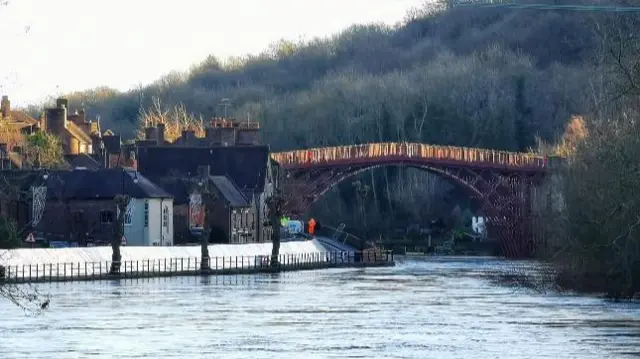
(500, 180)
(452, 178)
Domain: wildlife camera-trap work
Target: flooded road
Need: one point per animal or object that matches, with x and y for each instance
(435, 308)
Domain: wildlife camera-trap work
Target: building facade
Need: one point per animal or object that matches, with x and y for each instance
(235, 160)
(149, 222)
(78, 207)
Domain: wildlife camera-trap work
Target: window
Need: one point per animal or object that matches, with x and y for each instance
(128, 213)
(106, 217)
(234, 220)
(146, 214)
(165, 217)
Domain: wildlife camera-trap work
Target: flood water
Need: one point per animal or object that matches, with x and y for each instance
(435, 308)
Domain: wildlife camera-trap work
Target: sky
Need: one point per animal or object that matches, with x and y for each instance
(57, 46)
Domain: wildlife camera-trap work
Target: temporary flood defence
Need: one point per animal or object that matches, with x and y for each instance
(88, 261)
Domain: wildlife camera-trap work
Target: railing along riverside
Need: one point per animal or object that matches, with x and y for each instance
(184, 266)
(410, 150)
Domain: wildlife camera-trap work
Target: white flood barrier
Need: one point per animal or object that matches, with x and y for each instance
(91, 261)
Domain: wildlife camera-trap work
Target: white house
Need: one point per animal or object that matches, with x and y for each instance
(149, 216)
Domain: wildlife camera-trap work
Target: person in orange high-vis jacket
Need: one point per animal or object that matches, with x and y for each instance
(312, 226)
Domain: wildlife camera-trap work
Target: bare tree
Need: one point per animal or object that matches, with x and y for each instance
(208, 200)
(274, 207)
(24, 296)
(176, 119)
(122, 202)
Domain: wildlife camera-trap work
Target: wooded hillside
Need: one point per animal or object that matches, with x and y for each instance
(473, 76)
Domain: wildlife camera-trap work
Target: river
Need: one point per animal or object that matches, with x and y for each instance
(433, 308)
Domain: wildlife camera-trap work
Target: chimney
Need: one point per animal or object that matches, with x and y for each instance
(248, 135)
(62, 103)
(5, 107)
(56, 120)
(160, 134)
(94, 127)
(188, 137)
(227, 136)
(82, 115)
(96, 140)
(150, 133)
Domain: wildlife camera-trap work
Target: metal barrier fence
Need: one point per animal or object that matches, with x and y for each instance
(182, 266)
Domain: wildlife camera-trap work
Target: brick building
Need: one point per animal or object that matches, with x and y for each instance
(80, 209)
(238, 167)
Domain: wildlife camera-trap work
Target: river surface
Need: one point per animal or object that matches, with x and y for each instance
(433, 308)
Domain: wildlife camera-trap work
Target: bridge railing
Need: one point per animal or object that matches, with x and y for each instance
(409, 150)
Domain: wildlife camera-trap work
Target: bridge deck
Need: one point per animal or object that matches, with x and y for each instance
(373, 153)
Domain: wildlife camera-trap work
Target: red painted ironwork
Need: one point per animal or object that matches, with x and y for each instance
(500, 180)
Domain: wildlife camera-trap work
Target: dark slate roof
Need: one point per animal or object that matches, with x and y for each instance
(89, 184)
(246, 166)
(112, 143)
(178, 188)
(82, 160)
(229, 191)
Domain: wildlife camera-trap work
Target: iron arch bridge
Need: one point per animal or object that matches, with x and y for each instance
(502, 181)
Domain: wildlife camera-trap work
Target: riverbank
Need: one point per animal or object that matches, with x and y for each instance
(80, 264)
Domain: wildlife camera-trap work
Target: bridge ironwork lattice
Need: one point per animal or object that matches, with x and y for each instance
(502, 181)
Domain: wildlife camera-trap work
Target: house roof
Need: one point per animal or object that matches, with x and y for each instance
(22, 117)
(82, 160)
(78, 132)
(89, 184)
(245, 166)
(178, 189)
(112, 143)
(229, 191)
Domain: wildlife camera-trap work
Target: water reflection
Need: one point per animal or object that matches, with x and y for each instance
(437, 308)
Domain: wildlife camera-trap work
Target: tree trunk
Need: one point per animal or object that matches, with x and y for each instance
(208, 200)
(275, 212)
(275, 240)
(204, 249)
(118, 232)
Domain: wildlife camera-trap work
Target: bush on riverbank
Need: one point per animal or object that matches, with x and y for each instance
(597, 234)
(8, 234)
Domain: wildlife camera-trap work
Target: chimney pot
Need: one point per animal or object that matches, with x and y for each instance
(62, 103)
(5, 107)
(160, 134)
